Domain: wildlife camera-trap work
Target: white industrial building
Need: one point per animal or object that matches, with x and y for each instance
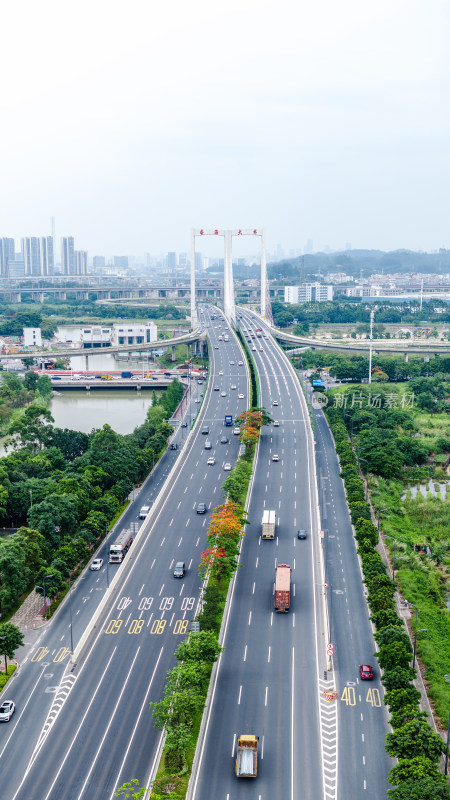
(308, 293)
(134, 334)
(32, 337)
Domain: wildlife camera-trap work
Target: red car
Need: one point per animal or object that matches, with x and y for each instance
(366, 673)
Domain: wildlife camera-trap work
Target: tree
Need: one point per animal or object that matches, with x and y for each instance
(396, 699)
(398, 678)
(390, 634)
(383, 618)
(415, 768)
(203, 646)
(414, 739)
(406, 714)
(382, 599)
(33, 429)
(434, 788)
(14, 572)
(10, 639)
(394, 654)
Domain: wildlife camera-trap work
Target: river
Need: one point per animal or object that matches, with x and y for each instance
(82, 411)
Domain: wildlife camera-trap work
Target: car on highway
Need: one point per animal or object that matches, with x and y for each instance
(173, 446)
(216, 347)
(240, 363)
(254, 348)
(275, 403)
(301, 535)
(276, 424)
(223, 394)
(366, 672)
(96, 564)
(184, 424)
(198, 400)
(240, 396)
(233, 386)
(237, 431)
(275, 457)
(7, 709)
(227, 467)
(201, 508)
(224, 440)
(261, 348)
(231, 363)
(205, 430)
(216, 389)
(211, 461)
(143, 512)
(220, 371)
(179, 570)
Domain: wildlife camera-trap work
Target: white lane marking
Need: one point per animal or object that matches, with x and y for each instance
(253, 590)
(265, 699)
(181, 539)
(250, 618)
(107, 729)
(245, 653)
(232, 749)
(196, 544)
(171, 523)
(162, 541)
(153, 563)
(239, 698)
(161, 590)
(143, 707)
(268, 655)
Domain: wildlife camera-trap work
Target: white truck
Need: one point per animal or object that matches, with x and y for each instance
(120, 547)
(268, 524)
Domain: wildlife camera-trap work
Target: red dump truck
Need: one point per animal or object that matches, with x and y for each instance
(282, 587)
(247, 756)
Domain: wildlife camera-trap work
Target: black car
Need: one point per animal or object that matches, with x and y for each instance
(184, 424)
(201, 508)
(301, 535)
(173, 446)
(224, 440)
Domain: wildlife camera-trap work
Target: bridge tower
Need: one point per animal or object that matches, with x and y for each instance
(228, 287)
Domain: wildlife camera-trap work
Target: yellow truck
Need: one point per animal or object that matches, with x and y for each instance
(247, 756)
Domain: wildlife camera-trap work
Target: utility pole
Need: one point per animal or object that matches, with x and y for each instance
(372, 314)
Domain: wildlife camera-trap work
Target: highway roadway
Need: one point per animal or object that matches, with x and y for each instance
(270, 675)
(80, 730)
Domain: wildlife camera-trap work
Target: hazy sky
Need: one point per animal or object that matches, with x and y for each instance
(133, 121)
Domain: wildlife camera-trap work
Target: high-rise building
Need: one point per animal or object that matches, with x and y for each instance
(98, 262)
(171, 260)
(121, 262)
(309, 247)
(31, 254)
(67, 255)
(81, 260)
(6, 254)
(47, 256)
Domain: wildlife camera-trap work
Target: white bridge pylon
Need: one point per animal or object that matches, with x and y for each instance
(228, 286)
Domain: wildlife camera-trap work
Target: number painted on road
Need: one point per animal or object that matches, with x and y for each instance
(62, 653)
(373, 697)
(181, 626)
(123, 603)
(40, 653)
(145, 603)
(166, 603)
(187, 603)
(114, 626)
(158, 626)
(135, 626)
(348, 696)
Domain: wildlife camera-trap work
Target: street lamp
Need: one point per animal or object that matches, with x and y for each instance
(366, 484)
(45, 578)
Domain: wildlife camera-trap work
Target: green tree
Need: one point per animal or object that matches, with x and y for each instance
(14, 572)
(406, 714)
(383, 618)
(434, 788)
(398, 678)
(10, 639)
(405, 696)
(203, 646)
(414, 739)
(415, 768)
(381, 600)
(390, 634)
(395, 654)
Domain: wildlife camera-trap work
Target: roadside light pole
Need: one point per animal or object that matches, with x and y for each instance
(372, 314)
(415, 632)
(71, 617)
(45, 578)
